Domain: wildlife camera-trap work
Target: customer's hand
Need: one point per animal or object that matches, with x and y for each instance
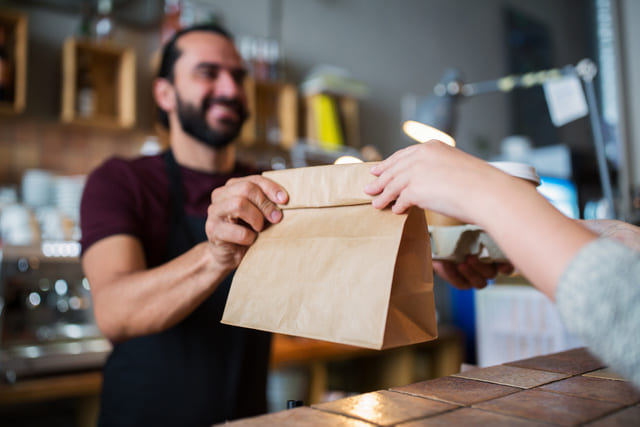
(238, 212)
(443, 179)
(625, 233)
(436, 177)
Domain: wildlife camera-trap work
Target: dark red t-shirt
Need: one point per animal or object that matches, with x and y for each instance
(132, 197)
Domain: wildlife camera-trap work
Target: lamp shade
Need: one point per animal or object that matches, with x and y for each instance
(437, 112)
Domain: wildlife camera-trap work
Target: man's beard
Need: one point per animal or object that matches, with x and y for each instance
(194, 123)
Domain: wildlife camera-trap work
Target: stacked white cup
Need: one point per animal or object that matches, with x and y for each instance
(36, 188)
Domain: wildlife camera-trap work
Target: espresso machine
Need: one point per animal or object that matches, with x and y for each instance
(46, 314)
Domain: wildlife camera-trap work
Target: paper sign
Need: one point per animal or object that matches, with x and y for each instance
(566, 100)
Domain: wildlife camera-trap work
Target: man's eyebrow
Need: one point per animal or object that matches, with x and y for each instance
(215, 65)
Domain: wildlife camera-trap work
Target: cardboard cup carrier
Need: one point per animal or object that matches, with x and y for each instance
(452, 240)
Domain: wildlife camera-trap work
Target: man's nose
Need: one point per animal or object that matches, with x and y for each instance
(227, 86)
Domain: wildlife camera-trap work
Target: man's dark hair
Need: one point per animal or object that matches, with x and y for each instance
(171, 53)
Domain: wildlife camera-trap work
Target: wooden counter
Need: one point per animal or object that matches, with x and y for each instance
(568, 388)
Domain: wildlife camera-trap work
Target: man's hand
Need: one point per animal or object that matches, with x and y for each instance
(237, 213)
(472, 273)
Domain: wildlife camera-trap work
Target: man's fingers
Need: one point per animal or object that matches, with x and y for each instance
(266, 195)
(242, 209)
(271, 189)
(484, 269)
(261, 192)
(229, 232)
(474, 278)
(448, 271)
(505, 268)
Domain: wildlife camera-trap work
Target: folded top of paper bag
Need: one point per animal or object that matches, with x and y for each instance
(324, 186)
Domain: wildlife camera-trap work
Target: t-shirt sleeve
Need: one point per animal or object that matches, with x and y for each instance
(598, 297)
(109, 203)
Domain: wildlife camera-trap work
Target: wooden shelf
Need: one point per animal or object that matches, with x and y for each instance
(397, 366)
(15, 27)
(111, 70)
(36, 399)
(274, 121)
(274, 114)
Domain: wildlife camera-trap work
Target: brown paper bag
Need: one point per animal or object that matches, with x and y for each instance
(335, 268)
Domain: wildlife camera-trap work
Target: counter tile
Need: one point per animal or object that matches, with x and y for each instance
(455, 390)
(384, 407)
(512, 376)
(626, 417)
(472, 416)
(596, 388)
(573, 362)
(607, 374)
(302, 416)
(550, 407)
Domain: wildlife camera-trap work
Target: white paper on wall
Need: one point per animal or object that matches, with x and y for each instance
(565, 99)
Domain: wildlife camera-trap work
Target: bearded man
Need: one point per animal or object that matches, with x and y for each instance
(161, 237)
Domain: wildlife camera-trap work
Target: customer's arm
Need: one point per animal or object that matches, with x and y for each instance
(599, 300)
(538, 239)
(594, 280)
(625, 233)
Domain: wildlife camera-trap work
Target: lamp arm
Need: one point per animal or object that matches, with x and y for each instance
(511, 82)
(586, 70)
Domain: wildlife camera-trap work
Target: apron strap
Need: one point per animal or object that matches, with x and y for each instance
(176, 196)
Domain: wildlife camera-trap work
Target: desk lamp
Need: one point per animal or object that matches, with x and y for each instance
(436, 115)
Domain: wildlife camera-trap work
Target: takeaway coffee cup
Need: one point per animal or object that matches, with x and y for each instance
(519, 170)
(453, 240)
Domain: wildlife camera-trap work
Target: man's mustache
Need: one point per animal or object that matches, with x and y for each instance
(234, 104)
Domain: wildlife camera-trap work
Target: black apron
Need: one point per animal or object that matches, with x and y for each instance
(196, 373)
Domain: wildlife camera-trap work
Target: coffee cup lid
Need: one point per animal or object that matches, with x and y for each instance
(520, 170)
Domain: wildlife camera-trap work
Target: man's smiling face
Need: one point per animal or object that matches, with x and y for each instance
(208, 78)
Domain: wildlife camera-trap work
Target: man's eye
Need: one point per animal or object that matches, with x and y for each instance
(238, 76)
(208, 73)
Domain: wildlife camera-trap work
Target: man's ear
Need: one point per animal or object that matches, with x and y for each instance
(164, 94)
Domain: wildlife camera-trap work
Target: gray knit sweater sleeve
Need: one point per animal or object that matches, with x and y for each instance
(599, 300)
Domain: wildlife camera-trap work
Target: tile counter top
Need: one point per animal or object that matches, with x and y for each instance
(567, 389)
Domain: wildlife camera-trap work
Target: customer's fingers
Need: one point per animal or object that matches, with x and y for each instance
(379, 168)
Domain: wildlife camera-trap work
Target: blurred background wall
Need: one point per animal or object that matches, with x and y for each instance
(399, 49)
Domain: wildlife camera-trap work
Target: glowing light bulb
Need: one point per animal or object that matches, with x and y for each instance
(346, 160)
(423, 133)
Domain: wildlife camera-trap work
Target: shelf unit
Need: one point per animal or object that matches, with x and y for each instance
(112, 72)
(274, 114)
(15, 26)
